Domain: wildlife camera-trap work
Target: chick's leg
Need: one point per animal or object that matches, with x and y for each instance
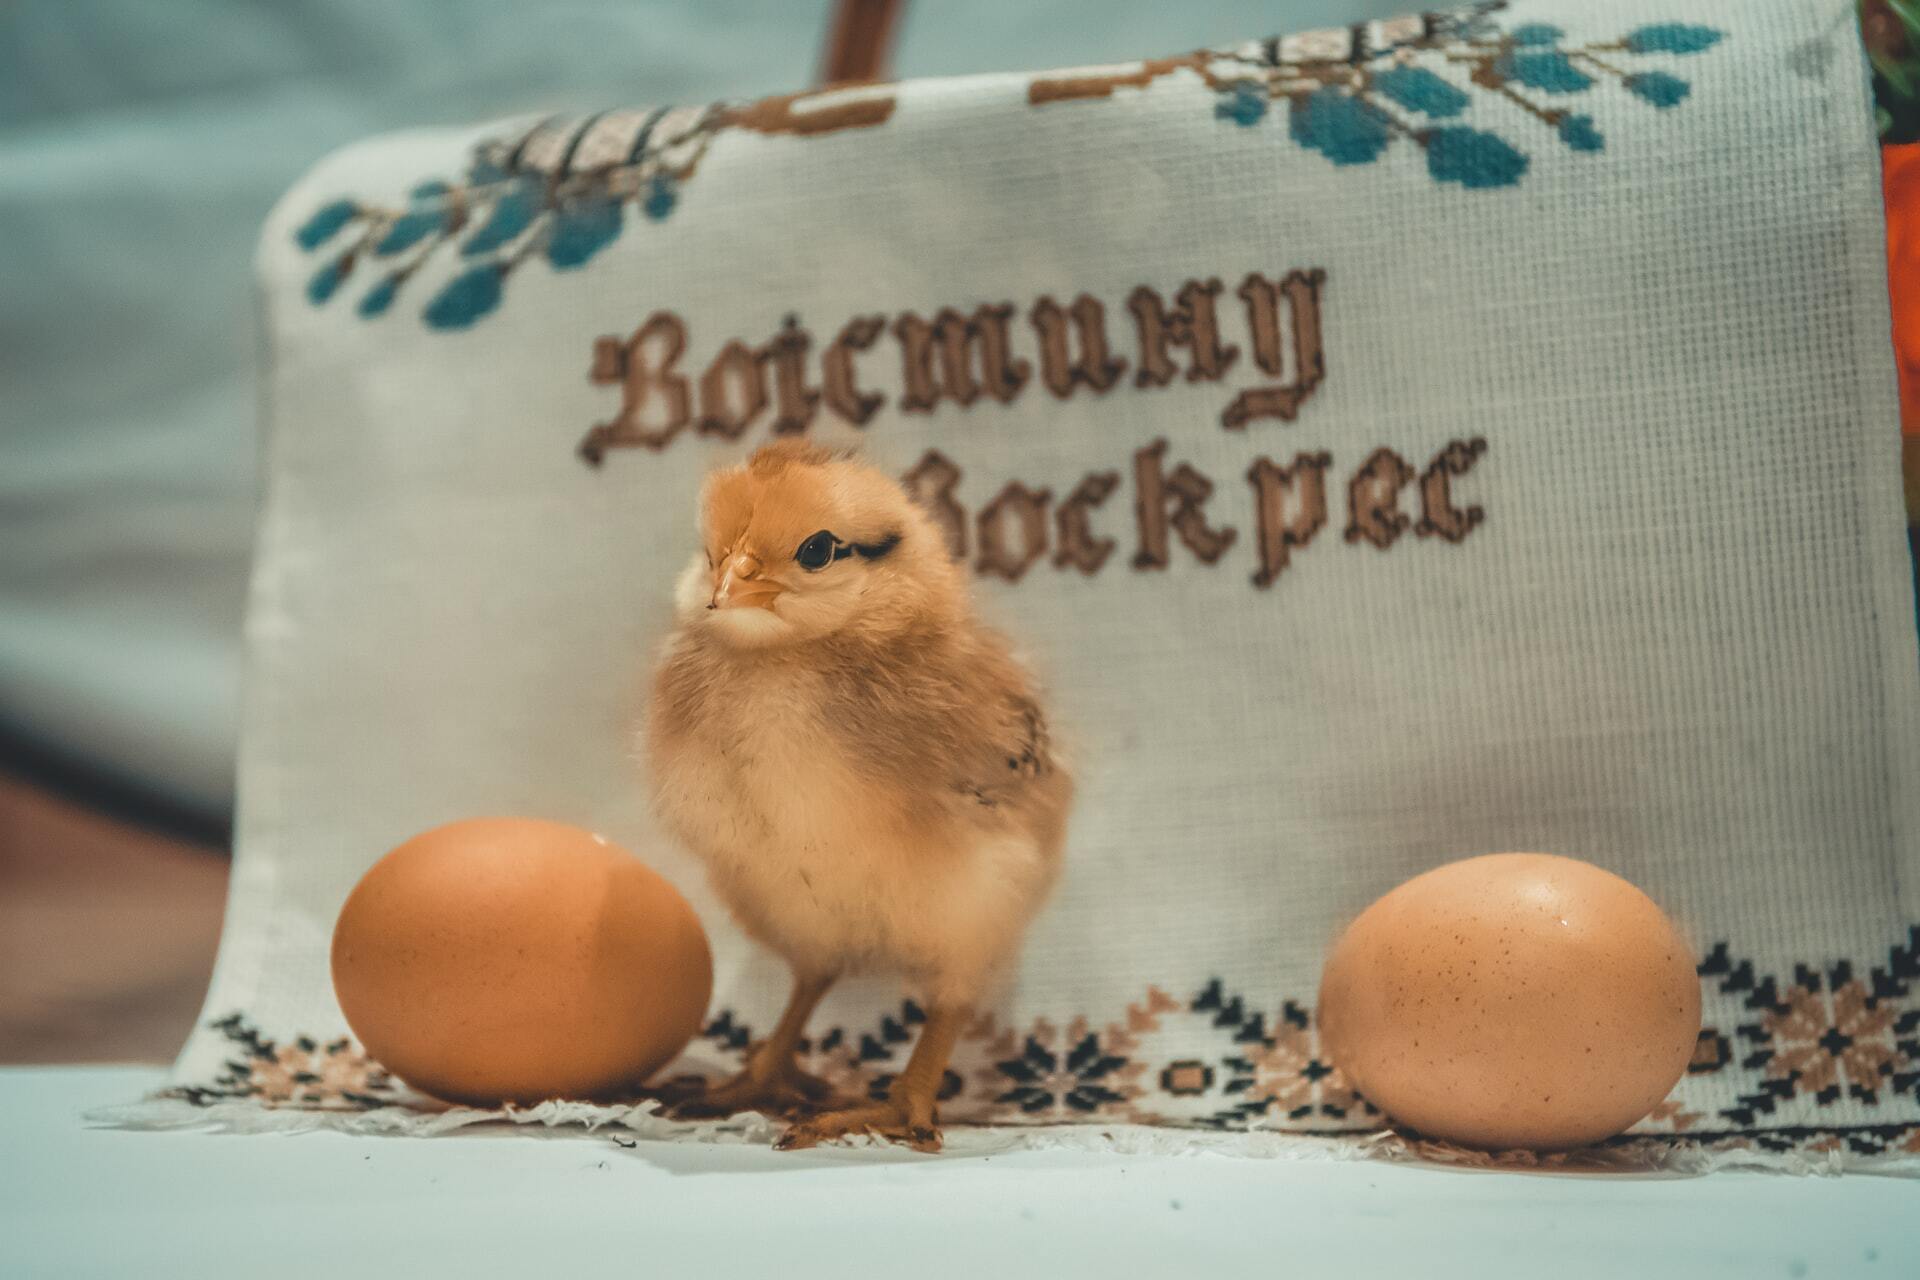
(908, 1113)
(772, 1081)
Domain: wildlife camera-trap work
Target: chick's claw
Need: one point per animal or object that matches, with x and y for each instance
(887, 1120)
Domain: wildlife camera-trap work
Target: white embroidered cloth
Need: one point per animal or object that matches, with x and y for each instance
(1465, 433)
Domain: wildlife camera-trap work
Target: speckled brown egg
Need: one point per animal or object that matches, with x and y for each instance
(1517, 1000)
(514, 960)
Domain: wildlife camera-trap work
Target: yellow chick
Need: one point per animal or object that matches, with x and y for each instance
(863, 766)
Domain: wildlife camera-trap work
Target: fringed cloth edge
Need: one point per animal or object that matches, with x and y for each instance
(1823, 1152)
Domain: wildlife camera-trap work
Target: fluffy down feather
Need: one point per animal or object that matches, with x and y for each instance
(864, 767)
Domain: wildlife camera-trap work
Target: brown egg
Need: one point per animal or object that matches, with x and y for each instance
(1512, 1000)
(514, 960)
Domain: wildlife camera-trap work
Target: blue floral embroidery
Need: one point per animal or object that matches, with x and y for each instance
(325, 281)
(1549, 71)
(1344, 128)
(325, 223)
(561, 190)
(1351, 92)
(581, 230)
(1659, 88)
(1418, 89)
(377, 299)
(1578, 132)
(660, 199)
(1472, 158)
(512, 214)
(1533, 33)
(1242, 105)
(472, 294)
(1671, 37)
(558, 191)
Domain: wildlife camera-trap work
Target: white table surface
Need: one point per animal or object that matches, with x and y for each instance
(76, 1200)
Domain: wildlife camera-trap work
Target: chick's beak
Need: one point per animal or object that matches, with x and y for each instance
(737, 584)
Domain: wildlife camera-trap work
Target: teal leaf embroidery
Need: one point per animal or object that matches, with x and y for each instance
(506, 211)
(1671, 37)
(512, 214)
(1549, 71)
(327, 279)
(661, 197)
(1346, 97)
(381, 296)
(1418, 89)
(1534, 33)
(325, 223)
(582, 230)
(1657, 87)
(1350, 100)
(1472, 158)
(1578, 132)
(410, 229)
(470, 295)
(1245, 104)
(1345, 129)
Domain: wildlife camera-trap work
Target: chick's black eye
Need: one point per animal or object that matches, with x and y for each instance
(816, 552)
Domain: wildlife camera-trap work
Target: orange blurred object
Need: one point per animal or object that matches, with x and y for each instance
(1900, 178)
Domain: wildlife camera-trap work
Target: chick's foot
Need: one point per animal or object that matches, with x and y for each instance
(776, 1091)
(892, 1120)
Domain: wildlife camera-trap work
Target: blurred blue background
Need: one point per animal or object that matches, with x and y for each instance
(141, 144)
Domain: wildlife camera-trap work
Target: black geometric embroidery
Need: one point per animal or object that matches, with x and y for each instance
(727, 1033)
(1737, 979)
(1212, 999)
(1294, 1076)
(1802, 1037)
(893, 1033)
(1824, 1035)
(1863, 1139)
(273, 1075)
(951, 1084)
(1711, 1052)
(1901, 976)
(1187, 1078)
(1043, 1081)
